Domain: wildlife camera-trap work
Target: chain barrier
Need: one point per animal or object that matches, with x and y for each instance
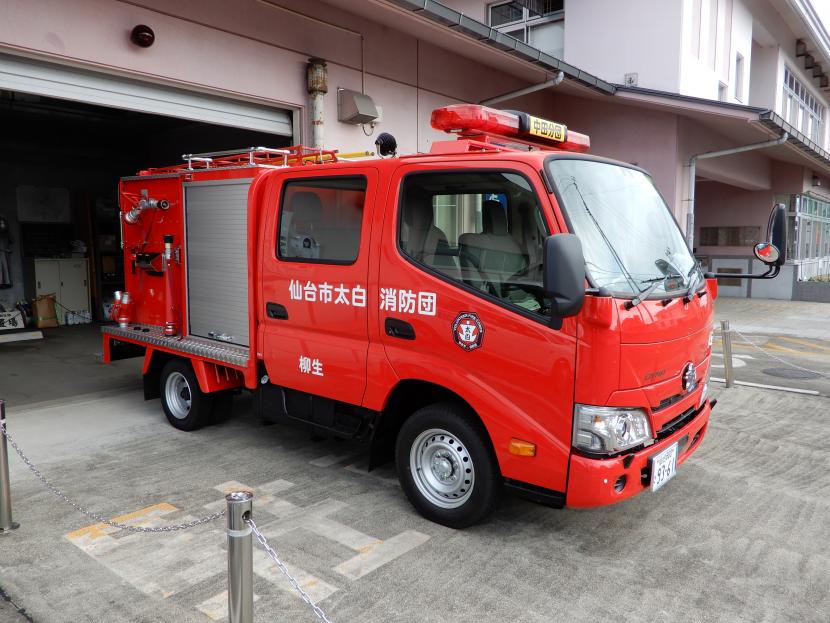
(96, 516)
(295, 585)
(776, 358)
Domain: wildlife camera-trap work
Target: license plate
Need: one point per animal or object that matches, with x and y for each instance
(663, 467)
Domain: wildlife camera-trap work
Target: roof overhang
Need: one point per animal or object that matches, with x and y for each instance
(444, 27)
(742, 124)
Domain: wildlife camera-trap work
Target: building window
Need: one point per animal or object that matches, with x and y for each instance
(739, 77)
(712, 50)
(729, 236)
(697, 9)
(506, 13)
(808, 234)
(723, 92)
(801, 109)
(543, 27)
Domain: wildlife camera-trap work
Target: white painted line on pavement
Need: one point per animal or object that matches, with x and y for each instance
(316, 588)
(216, 608)
(377, 555)
(330, 459)
(794, 390)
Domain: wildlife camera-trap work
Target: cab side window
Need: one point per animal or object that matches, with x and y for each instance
(484, 230)
(320, 219)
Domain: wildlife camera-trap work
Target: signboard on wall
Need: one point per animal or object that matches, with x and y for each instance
(11, 320)
(39, 204)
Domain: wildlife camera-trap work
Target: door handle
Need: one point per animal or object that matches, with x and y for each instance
(276, 311)
(399, 329)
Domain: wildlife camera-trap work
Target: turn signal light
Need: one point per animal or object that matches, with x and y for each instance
(521, 448)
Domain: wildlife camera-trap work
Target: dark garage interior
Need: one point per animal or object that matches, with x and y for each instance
(60, 162)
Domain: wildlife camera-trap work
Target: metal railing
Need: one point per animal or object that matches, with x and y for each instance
(241, 529)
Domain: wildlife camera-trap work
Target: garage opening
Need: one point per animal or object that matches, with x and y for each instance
(60, 163)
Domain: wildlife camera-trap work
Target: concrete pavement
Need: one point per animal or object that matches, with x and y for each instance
(767, 316)
(739, 535)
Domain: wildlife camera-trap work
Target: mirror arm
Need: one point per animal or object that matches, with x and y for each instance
(771, 273)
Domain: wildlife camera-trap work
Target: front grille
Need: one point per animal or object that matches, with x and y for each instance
(677, 423)
(667, 402)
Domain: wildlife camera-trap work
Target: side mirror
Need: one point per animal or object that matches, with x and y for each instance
(777, 235)
(564, 274)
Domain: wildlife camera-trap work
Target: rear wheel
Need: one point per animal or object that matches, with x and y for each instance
(446, 466)
(185, 405)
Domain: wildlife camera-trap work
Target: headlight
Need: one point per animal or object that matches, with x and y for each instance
(608, 430)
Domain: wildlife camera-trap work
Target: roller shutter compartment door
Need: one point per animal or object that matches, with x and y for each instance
(217, 260)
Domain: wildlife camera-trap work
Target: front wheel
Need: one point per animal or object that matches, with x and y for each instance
(186, 406)
(446, 466)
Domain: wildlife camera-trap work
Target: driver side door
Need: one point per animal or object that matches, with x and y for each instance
(462, 305)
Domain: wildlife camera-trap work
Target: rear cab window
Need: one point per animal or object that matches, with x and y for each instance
(320, 219)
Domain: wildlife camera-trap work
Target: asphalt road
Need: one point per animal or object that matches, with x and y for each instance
(785, 361)
(738, 535)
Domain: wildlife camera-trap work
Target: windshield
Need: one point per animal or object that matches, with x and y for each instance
(630, 240)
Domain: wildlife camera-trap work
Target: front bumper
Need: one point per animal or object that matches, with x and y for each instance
(596, 482)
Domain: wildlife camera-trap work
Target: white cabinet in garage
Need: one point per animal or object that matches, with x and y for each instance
(68, 280)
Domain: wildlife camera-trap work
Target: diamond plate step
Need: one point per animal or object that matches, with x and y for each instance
(201, 347)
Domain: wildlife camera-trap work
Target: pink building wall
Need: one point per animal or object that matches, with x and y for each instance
(259, 51)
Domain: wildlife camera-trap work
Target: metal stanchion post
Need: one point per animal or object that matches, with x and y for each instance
(240, 558)
(726, 340)
(6, 523)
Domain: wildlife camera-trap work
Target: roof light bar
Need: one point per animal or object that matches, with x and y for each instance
(469, 120)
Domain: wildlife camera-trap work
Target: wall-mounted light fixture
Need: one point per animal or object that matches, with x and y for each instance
(143, 36)
(816, 181)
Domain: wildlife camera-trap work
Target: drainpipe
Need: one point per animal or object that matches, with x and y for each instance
(318, 86)
(690, 213)
(555, 81)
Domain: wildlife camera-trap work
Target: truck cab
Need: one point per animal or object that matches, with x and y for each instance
(489, 315)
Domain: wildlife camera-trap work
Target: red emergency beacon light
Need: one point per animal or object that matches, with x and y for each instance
(472, 121)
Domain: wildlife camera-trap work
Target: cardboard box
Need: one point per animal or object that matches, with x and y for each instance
(44, 311)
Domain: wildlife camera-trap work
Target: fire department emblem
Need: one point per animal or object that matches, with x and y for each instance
(467, 331)
(688, 377)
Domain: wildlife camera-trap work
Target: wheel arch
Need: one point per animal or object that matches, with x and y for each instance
(154, 362)
(210, 376)
(407, 397)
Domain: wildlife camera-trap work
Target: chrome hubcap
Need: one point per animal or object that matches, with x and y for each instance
(177, 395)
(442, 468)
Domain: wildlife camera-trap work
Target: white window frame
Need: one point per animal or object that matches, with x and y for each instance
(524, 24)
(807, 102)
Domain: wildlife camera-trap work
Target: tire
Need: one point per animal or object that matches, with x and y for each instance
(222, 406)
(185, 405)
(446, 466)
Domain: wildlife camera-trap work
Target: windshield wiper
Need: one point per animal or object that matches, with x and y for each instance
(623, 269)
(644, 294)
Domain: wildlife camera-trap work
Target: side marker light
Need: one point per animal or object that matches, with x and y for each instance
(521, 448)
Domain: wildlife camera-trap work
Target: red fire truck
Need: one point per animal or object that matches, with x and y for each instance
(505, 311)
